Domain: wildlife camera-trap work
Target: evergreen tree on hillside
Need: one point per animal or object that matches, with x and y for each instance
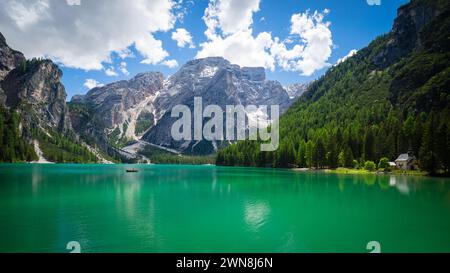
(371, 106)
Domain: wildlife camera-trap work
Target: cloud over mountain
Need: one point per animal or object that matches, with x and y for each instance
(83, 34)
(99, 35)
(230, 35)
(183, 38)
(91, 83)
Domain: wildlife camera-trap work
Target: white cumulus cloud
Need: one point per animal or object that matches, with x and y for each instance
(125, 53)
(231, 15)
(23, 14)
(183, 38)
(111, 72)
(84, 37)
(123, 68)
(170, 63)
(241, 48)
(314, 45)
(349, 55)
(73, 2)
(91, 83)
(230, 35)
(151, 49)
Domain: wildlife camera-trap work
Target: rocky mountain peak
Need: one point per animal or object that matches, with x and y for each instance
(129, 90)
(40, 82)
(253, 73)
(147, 80)
(37, 83)
(208, 68)
(405, 34)
(217, 82)
(296, 90)
(198, 69)
(116, 107)
(9, 58)
(208, 61)
(139, 109)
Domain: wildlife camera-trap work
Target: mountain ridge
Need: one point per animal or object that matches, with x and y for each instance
(34, 117)
(98, 125)
(390, 97)
(214, 79)
(403, 74)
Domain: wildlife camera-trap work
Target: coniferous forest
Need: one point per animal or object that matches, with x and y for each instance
(390, 98)
(14, 148)
(55, 147)
(362, 111)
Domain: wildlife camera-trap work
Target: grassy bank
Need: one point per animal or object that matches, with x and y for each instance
(362, 171)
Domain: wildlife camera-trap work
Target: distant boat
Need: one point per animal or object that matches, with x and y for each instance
(132, 171)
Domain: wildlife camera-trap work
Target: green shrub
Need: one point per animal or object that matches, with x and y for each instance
(384, 164)
(370, 166)
(356, 164)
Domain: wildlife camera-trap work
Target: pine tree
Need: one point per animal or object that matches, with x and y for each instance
(332, 154)
(369, 145)
(341, 159)
(320, 153)
(443, 146)
(309, 154)
(428, 157)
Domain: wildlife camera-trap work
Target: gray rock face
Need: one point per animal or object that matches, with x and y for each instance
(112, 101)
(217, 82)
(138, 109)
(405, 35)
(34, 88)
(9, 59)
(120, 112)
(115, 108)
(296, 90)
(37, 90)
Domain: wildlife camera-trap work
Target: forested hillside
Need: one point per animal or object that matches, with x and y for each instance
(13, 146)
(33, 112)
(390, 97)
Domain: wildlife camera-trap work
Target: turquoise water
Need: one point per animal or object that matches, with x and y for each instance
(165, 208)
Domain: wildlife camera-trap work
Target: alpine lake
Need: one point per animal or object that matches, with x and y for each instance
(198, 209)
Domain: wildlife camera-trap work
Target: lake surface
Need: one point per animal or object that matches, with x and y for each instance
(166, 208)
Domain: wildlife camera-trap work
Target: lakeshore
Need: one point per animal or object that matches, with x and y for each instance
(364, 172)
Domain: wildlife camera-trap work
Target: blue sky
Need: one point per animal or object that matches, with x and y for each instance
(347, 25)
